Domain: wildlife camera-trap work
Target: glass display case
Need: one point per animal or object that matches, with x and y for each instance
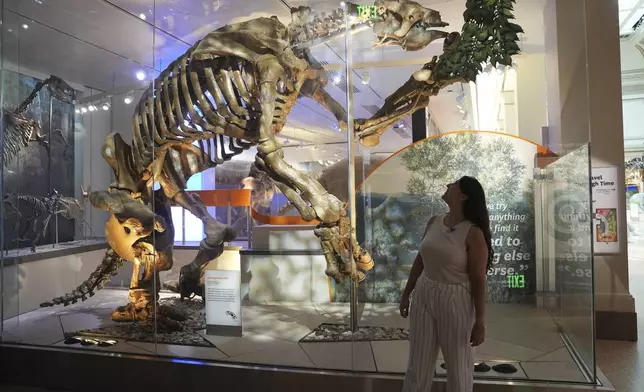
(211, 177)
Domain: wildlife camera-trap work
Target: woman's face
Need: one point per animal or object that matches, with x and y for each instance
(453, 194)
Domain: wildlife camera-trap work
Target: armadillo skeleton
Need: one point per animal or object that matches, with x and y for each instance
(234, 89)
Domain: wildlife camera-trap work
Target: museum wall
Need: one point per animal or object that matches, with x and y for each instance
(531, 96)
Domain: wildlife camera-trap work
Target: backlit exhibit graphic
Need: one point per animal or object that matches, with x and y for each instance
(405, 191)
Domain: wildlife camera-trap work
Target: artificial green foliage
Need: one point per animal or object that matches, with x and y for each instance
(488, 35)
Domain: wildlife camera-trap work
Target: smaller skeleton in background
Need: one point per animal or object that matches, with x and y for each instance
(19, 130)
(39, 210)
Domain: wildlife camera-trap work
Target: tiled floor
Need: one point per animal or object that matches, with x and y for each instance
(520, 334)
(623, 362)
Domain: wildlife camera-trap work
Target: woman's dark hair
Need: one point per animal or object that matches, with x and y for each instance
(475, 211)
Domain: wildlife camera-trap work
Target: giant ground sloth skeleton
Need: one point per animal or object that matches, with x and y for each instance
(234, 89)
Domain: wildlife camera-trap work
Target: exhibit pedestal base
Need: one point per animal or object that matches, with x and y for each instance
(284, 276)
(280, 237)
(224, 330)
(616, 326)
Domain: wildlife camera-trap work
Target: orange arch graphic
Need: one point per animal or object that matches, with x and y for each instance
(542, 152)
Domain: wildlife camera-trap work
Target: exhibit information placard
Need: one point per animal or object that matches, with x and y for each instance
(223, 302)
(605, 197)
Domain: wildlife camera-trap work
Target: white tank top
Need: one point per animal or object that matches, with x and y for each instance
(444, 251)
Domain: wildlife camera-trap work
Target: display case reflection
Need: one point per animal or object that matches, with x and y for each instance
(39, 129)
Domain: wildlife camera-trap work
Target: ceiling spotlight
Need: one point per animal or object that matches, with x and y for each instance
(106, 106)
(77, 111)
(25, 26)
(92, 108)
(83, 110)
(337, 79)
(140, 75)
(129, 98)
(342, 3)
(142, 16)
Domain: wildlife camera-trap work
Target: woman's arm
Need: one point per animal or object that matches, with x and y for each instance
(416, 270)
(477, 269)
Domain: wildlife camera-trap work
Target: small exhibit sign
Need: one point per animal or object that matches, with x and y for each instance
(605, 210)
(223, 295)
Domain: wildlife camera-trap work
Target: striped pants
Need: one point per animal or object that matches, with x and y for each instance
(441, 316)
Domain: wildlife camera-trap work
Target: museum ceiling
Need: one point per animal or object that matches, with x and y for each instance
(102, 45)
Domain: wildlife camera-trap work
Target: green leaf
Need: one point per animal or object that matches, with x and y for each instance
(511, 36)
(515, 27)
(512, 46)
(506, 60)
(471, 28)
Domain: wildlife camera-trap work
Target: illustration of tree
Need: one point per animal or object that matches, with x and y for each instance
(436, 163)
(396, 222)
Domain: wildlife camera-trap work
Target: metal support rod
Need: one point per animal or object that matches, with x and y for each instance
(249, 227)
(183, 226)
(56, 222)
(353, 297)
(51, 119)
(229, 212)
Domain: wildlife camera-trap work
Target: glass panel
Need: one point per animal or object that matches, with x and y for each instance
(490, 130)
(286, 297)
(569, 238)
(66, 73)
(278, 306)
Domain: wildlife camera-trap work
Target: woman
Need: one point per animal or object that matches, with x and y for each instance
(448, 303)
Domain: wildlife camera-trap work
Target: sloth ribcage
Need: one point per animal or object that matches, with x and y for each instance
(198, 114)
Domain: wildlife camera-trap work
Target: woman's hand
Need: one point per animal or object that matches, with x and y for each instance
(404, 306)
(478, 333)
